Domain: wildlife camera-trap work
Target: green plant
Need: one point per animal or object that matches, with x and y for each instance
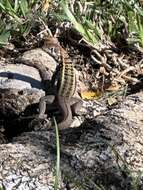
(57, 176)
(99, 20)
(86, 29)
(135, 23)
(16, 18)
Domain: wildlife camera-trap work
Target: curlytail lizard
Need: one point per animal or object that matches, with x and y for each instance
(64, 82)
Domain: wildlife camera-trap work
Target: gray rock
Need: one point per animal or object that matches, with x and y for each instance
(105, 150)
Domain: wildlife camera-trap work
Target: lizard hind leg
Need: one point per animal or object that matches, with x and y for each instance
(76, 105)
(66, 113)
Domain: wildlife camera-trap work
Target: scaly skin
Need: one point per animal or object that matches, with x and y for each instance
(66, 84)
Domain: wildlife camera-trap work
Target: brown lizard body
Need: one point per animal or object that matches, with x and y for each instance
(63, 84)
(65, 87)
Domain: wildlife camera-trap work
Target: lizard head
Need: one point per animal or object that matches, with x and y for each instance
(52, 46)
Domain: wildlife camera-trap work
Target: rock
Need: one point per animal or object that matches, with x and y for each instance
(41, 57)
(105, 150)
(21, 84)
(19, 76)
(21, 87)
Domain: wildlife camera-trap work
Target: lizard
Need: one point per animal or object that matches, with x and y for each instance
(64, 81)
(62, 86)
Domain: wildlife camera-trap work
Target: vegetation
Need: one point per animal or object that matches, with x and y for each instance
(57, 176)
(117, 21)
(93, 19)
(17, 18)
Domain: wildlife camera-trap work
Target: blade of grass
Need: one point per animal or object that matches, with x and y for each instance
(140, 28)
(57, 177)
(7, 8)
(89, 37)
(16, 5)
(24, 7)
(2, 6)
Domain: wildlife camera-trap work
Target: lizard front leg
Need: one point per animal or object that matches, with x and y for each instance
(44, 101)
(66, 106)
(48, 99)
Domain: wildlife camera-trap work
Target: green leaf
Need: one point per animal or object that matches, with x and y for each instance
(16, 5)
(8, 9)
(24, 7)
(25, 29)
(2, 6)
(77, 25)
(8, 6)
(4, 37)
(87, 35)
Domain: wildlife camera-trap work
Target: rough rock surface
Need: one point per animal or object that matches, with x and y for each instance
(21, 80)
(21, 88)
(105, 150)
(40, 56)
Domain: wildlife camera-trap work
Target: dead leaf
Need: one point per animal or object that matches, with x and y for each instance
(111, 100)
(90, 95)
(45, 6)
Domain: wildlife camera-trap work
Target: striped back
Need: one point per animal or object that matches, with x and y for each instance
(67, 81)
